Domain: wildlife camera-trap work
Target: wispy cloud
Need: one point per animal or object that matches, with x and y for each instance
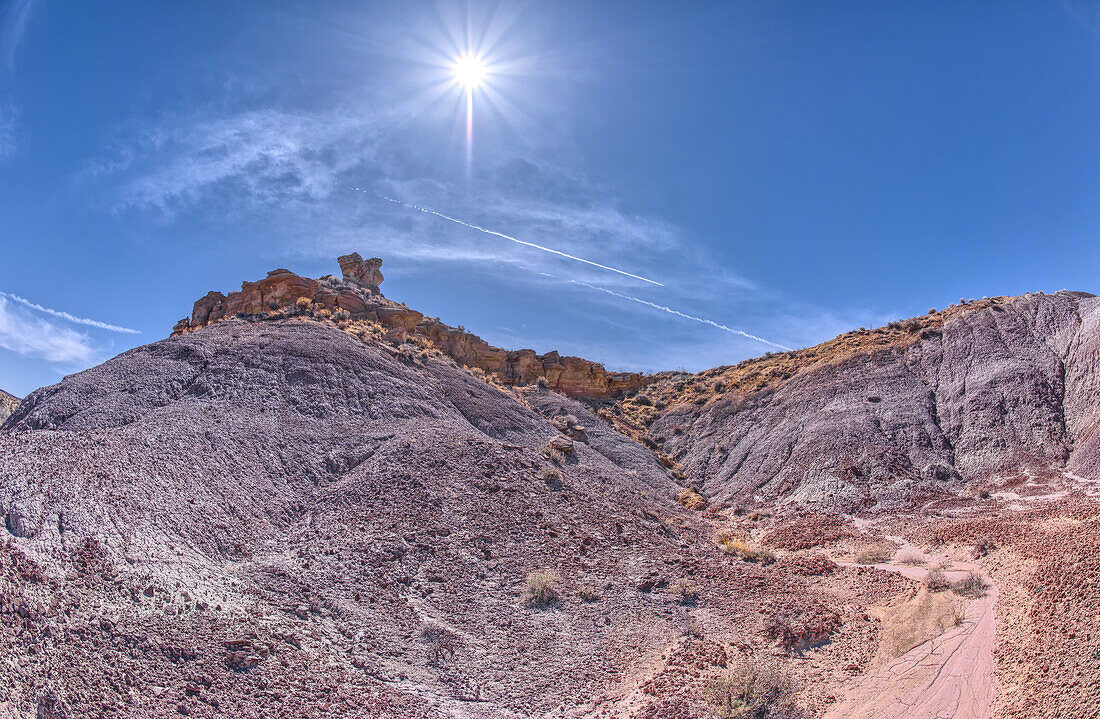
(14, 15)
(294, 169)
(68, 317)
(13, 23)
(30, 336)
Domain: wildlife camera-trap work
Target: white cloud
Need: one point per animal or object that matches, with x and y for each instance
(31, 336)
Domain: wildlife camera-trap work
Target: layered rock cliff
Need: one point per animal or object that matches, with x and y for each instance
(357, 294)
(984, 392)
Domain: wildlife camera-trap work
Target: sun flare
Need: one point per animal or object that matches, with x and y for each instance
(470, 71)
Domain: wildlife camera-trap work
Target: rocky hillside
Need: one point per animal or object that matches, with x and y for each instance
(8, 403)
(975, 395)
(276, 511)
(311, 496)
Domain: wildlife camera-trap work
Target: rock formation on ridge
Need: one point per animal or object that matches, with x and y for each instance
(358, 295)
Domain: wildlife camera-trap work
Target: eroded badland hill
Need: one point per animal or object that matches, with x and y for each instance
(314, 501)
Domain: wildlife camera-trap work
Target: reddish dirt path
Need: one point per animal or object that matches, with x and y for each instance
(948, 677)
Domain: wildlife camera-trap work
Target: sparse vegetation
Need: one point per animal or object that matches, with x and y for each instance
(686, 590)
(983, 546)
(341, 315)
(740, 547)
(910, 557)
(936, 581)
(550, 475)
(754, 689)
(971, 586)
(541, 589)
(874, 555)
(441, 643)
(588, 593)
(692, 499)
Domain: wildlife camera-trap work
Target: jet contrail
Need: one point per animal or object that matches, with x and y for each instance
(457, 221)
(712, 323)
(70, 318)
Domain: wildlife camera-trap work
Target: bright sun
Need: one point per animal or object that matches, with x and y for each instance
(470, 71)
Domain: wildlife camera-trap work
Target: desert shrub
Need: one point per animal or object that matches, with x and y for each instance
(692, 499)
(982, 546)
(588, 593)
(324, 313)
(441, 643)
(958, 613)
(936, 581)
(541, 589)
(550, 475)
(273, 305)
(984, 492)
(740, 547)
(910, 557)
(753, 689)
(759, 514)
(303, 303)
(541, 383)
(874, 555)
(972, 586)
(341, 315)
(643, 399)
(686, 590)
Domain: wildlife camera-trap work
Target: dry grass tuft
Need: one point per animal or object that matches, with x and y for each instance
(692, 499)
(541, 589)
(875, 555)
(910, 557)
(740, 547)
(686, 590)
(588, 593)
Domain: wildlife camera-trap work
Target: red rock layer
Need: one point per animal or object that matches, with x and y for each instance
(358, 294)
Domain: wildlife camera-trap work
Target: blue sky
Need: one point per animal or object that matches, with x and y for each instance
(790, 170)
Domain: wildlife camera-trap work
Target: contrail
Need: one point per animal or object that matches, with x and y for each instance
(70, 318)
(712, 323)
(428, 211)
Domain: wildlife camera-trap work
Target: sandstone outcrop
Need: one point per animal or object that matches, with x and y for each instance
(367, 273)
(359, 295)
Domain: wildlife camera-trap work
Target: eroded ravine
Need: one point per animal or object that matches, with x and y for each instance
(947, 677)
